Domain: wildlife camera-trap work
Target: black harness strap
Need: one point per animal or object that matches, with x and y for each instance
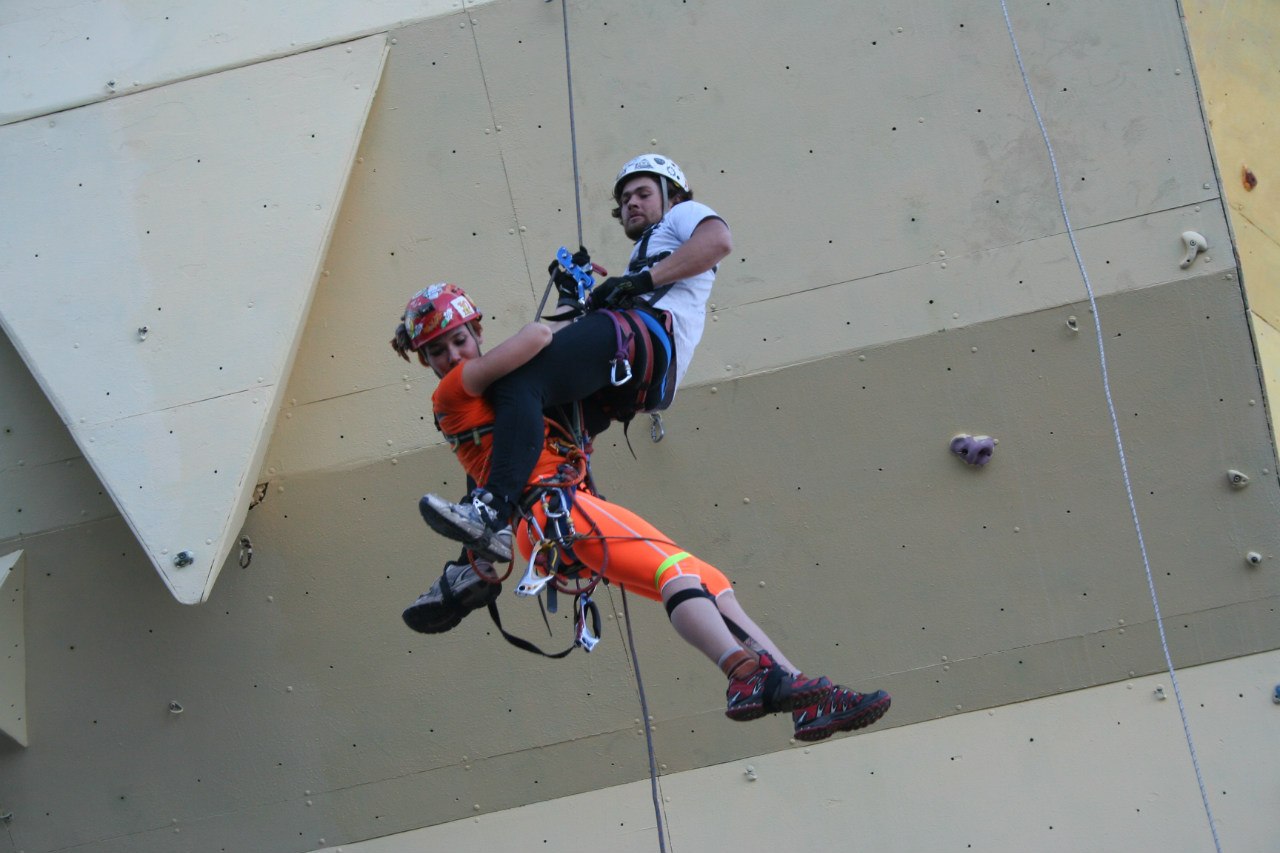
(470, 435)
(521, 643)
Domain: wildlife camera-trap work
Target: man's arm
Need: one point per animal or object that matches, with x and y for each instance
(479, 373)
(707, 246)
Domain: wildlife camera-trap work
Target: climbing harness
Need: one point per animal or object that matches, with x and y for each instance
(1115, 425)
(643, 370)
(552, 568)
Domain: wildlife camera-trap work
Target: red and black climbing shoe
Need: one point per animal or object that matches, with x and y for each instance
(842, 711)
(473, 522)
(770, 689)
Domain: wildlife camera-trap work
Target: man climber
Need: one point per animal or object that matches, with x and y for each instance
(679, 242)
(442, 325)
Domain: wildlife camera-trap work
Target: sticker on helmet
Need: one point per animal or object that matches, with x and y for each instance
(463, 306)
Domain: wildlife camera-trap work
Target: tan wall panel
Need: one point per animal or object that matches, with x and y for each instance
(1235, 49)
(13, 647)
(884, 561)
(465, 174)
(1260, 260)
(815, 470)
(1003, 780)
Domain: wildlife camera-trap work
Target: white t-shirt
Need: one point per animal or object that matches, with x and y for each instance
(686, 299)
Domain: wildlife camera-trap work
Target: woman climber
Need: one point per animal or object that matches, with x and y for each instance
(600, 538)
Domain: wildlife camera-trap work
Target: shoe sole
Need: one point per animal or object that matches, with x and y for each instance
(437, 519)
(744, 713)
(864, 717)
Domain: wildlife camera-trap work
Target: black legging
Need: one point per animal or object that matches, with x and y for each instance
(573, 366)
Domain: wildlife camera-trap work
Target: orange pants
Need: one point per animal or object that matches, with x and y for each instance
(640, 557)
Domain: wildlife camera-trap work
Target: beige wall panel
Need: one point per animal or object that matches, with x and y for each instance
(1267, 339)
(466, 175)
(65, 54)
(1235, 48)
(792, 135)
(1260, 261)
(1005, 780)
(952, 293)
(428, 202)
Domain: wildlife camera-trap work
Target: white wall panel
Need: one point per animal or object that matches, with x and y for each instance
(164, 253)
(73, 52)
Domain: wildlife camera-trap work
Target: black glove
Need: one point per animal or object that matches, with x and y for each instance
(619, 291)
(457, 592)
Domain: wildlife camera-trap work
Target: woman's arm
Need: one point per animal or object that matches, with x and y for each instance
(479, 373)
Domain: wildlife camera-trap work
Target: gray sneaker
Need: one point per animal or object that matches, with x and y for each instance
(473, 522)
(457, 592)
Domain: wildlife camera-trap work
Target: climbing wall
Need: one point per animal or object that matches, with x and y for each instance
(902, 275)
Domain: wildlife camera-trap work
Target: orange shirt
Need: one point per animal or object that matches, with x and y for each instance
(458, 412)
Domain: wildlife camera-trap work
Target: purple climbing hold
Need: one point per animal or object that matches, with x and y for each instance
(974, 449)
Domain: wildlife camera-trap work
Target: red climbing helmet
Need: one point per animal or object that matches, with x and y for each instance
(437, 310)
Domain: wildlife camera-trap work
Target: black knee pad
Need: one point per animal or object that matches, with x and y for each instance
(684, 595)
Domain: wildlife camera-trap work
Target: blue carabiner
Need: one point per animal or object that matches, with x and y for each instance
(580, 275)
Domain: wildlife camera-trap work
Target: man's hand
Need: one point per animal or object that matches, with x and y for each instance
(617, 292)
(567, 285)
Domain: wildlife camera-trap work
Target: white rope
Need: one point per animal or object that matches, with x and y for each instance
(1115, 425)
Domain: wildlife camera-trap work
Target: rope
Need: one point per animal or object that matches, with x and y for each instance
(626, 611)
(648, 729)
(573, 130)
(635, 660)
(1115, 425)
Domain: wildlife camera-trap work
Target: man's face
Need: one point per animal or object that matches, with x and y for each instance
(451, 349)
(640, 205)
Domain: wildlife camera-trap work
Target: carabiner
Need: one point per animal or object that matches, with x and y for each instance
(656, 430)
(613, 372)
(586, 637)
(533, 581)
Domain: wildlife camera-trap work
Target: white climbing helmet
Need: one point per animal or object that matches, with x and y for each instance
(653, 164)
